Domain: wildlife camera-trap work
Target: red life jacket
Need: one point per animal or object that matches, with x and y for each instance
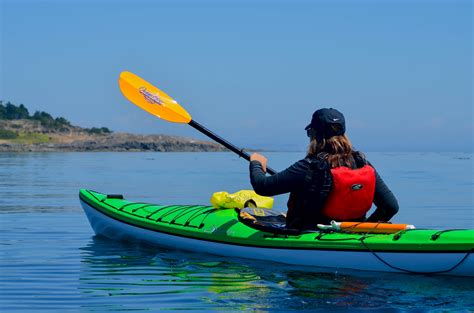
(352, 193)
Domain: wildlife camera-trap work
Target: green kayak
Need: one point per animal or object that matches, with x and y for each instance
(205, 229)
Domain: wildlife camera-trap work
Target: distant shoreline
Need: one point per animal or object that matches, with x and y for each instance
(115, 142)
(22, 132)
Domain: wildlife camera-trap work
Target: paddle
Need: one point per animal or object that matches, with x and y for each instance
(156, 102)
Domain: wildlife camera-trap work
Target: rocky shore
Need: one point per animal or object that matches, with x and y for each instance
(119, 142)
(32, 137)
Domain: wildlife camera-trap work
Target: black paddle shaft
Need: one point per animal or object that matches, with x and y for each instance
(225, 143)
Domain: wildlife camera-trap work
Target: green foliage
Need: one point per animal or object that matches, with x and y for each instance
(7, 134)
(28, 138)
(3, 111)
(98, 131)
(32, 138)
(48, 121)
(44, 118)
(10, 111)
(62, 121)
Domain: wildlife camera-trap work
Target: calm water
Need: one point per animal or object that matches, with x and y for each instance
(50, 259)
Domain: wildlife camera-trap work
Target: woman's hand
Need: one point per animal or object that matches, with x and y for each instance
(260, 158)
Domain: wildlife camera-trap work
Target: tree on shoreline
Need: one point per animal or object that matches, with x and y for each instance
(10, 111)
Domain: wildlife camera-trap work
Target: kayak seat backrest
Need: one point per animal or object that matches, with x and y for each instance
(270, 221)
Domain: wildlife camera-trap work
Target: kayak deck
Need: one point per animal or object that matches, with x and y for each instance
(220, 227)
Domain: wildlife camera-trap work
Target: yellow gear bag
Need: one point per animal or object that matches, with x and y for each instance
(240, 199)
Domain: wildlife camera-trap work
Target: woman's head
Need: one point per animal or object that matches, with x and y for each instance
(328, 139)
(326, 123)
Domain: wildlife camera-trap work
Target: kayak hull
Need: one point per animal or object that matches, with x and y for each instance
(450, 263)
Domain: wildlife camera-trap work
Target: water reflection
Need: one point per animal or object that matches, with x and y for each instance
(171, 280)
(142, 277)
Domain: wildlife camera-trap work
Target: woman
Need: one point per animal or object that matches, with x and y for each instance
(333, 182)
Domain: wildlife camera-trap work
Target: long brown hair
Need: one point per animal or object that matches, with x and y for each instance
(337, 150)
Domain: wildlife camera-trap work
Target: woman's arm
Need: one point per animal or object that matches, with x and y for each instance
(286, 181)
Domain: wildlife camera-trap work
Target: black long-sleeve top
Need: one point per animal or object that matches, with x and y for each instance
(292, 180)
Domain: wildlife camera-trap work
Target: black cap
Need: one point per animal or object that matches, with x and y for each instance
(324, 120)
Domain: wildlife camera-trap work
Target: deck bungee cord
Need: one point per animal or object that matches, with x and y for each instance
(439, 233)
(415, 272)
(397, 236)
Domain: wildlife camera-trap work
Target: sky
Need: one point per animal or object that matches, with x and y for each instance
(251, 71)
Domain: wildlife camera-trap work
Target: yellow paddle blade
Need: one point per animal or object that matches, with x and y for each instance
(151, 99)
